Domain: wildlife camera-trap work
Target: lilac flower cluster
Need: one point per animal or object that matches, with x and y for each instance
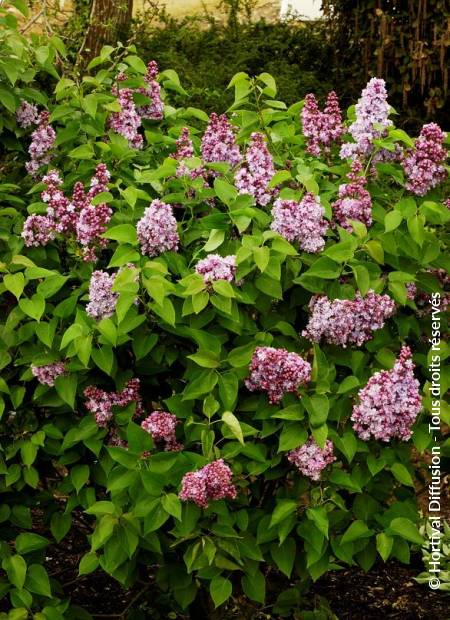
(256, 173)
(345, 321)
(76, 217)
(102, 299)
(277, 372)
(311, 459)
(219, 141)
(101, 403)
(423, 165)
(372, 122)
(42, 140)
(212, 482)
(155, 109)
(185, 150)
(215, 267)
(162, 425)
(389, 403)
(354, 202)
(48, 373)
(302, 221)
(27, 114)
(321, 128)
(157, 229)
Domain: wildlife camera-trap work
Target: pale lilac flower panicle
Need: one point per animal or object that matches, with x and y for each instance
(128, 121)
(47, 374)
(59, 208)
(321, 128)
(389, 403)
(219, 141)
(345, 321)
(277, 372)
(423, 165)
(185, 150)
(157, 229)
(42, 140)
(102, 299)
(215, 267)
(27, 114)
(91, 224)
(302, 221)
(210, 483)
(354, 202)
(38, 230)
(372, 122)
(154, 110)
(161, 425)
(311, 459)
(100, 403)
(255, 175)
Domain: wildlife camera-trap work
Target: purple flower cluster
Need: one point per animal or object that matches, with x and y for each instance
(311, 459)
(155, 109)
(162, 425)
(354, 202)
(76, 217)
(42, 140)
(256, 173)
(423, 165)
(219, 141)
(101, 403)
(48, 373)
(185, 150)
(215, 267)
(102, 299)
(389, 403)
(302, 221)
(157, 229)
(372, 122)
(321, 128)
(27, 114)
(277, 372)
(211, 482)
(345, 321)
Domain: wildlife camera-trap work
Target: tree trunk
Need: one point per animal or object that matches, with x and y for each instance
(109, 22)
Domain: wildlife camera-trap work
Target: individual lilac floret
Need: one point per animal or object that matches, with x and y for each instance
(311, 459)
(423, 165)
(102, 299)
(389, 403)
(302, 221)
(354, 202)
(42, 140)
(100, 403)
(27, 114)
(215, 267)
(277, 372)
(256, 173)
(155, 109)
(38, 230)
(212, 482)
(48, 374)
(157, 229)
(321, 128)
(162, 426)
(345, 321)
(372, 122)
(219, 141)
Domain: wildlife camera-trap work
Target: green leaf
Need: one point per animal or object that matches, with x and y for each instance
(125, 233)
(60, 525)
(341, 252)
(384, 545)
(241, 356)
(206, 359)
(228, 389)
(27, 542)
(254, 586)
(406, 529)
(233, 424)
(392, 220)
(220, 590)
(37, 581)
(84, 151)
(79, 476)
(66, 386)
(7, 99)
(261, 256)
(292, 436)
(402, 474)
(104, 358)
(284, 556)
(362, 278)
(225, 191)
(15, 283)
(88, 564)
(33, 307)
(202, 384)
(283, 509)
(375, 250)
(358, 529)
(16, 569)
(172, 505)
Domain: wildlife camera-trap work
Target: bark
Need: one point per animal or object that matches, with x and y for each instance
(109, 22)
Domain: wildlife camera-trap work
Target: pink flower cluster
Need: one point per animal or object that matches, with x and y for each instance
(211, 482)
(256, 173)
(27, 114)
(155, 109)
(157, 229)
(162, 425)
(215, 267)
(354, 202)
(372, 122)
(321, 128)
(389, 403)
(423, 165)
(42, 140)
(101, 403)
(277, 372)
(48, 373)
(102, 299)
(38, 230)
(311, 459)
(302, 221)
(219, 141)
(345, 321)
(185, 150)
